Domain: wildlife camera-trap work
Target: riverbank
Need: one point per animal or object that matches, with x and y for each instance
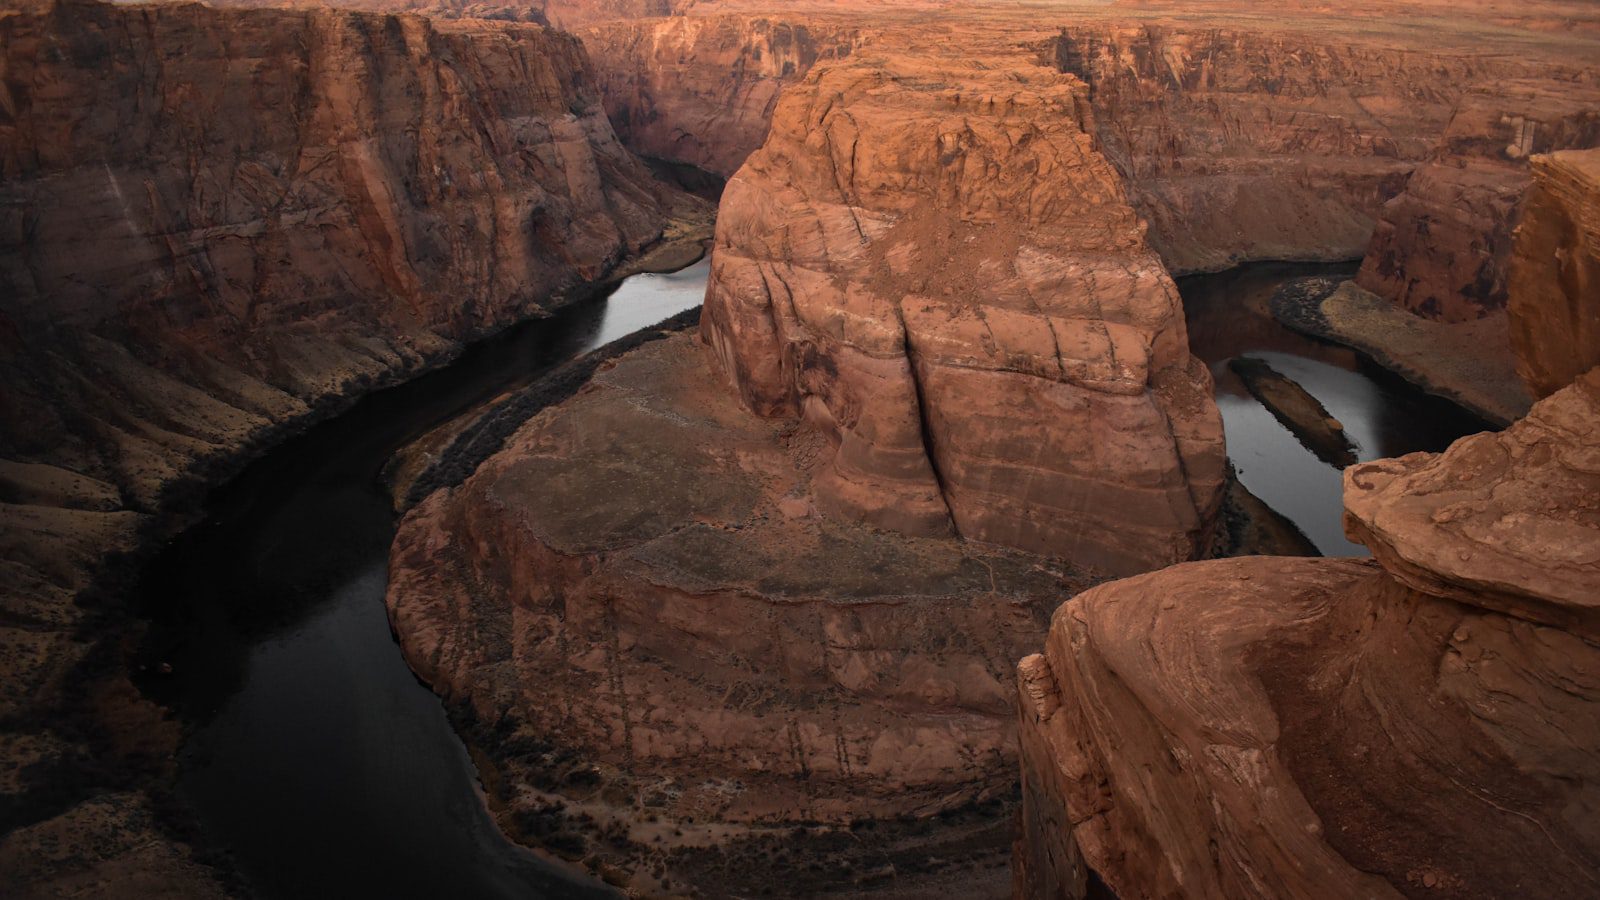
(86, 752)
(1467, 363)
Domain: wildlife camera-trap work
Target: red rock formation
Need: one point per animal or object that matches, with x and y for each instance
(638, 587)
(212, 225)
(1441, 248)
(935, 268)
(289, 206)
(1424, 726)
(1555, 273)
(702, 90)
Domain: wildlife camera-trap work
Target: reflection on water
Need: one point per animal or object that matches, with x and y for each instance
(317, 760)
(1228, 317)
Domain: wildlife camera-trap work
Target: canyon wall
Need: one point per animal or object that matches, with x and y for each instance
(702, 90)
(214, 224)
(1423, 725)
(1554, 290)
(935, 268)
(1238, 139)
(1442, 247)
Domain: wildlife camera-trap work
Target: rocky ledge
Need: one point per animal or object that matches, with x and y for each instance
(1423, 725)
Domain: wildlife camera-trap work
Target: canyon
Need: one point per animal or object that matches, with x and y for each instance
(736, 607)
(1412, 725)
(216, 227)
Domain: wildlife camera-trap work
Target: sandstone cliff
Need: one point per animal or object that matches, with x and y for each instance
(702, 90)
(1423, 726)
(214, 224)
(1442, 246)
(932, 265)
(1555, 273)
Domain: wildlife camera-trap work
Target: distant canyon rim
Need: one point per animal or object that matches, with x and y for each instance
(916, 564)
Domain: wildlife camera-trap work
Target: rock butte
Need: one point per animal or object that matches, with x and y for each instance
(769, 659)
(934, 267)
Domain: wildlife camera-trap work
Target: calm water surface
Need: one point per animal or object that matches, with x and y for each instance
(1385, 416)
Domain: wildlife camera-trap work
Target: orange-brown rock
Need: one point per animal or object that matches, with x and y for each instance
(215, 224)
(702, 90)
(1424, 725)
(932, 264)
(1554, 302)
(639, 601)
(1442, 247)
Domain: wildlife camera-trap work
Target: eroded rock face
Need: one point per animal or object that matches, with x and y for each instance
(216, 220)
(935, 268)
(214, 223)
(1554, 303)
(1422, 725)
(701, 90)
(1442, 247)
(639, 600)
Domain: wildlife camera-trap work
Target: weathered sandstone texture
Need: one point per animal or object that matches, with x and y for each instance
(1239, 137)
(933, 266)
(1555, 272)
(1442, 246)
(701, 90)
(213, 224)
(1424, 725)
(655, 629)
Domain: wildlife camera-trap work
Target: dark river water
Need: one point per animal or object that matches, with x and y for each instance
(1385, 416)
(317, 759)
(326, 769)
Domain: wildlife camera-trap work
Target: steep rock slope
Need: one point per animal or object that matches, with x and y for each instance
(1554, 303)
(1254, 143)
(702, 90)
(1442, 247)
(678, 664)
(1423, 726)
(214, 223)
(933, 266)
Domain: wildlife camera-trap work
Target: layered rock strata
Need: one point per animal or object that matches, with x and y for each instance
(1554, 303)
(702, 90)
(216, 223)
(1423, 725)
(665, 644)
(934, 267)
(1442, 247)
